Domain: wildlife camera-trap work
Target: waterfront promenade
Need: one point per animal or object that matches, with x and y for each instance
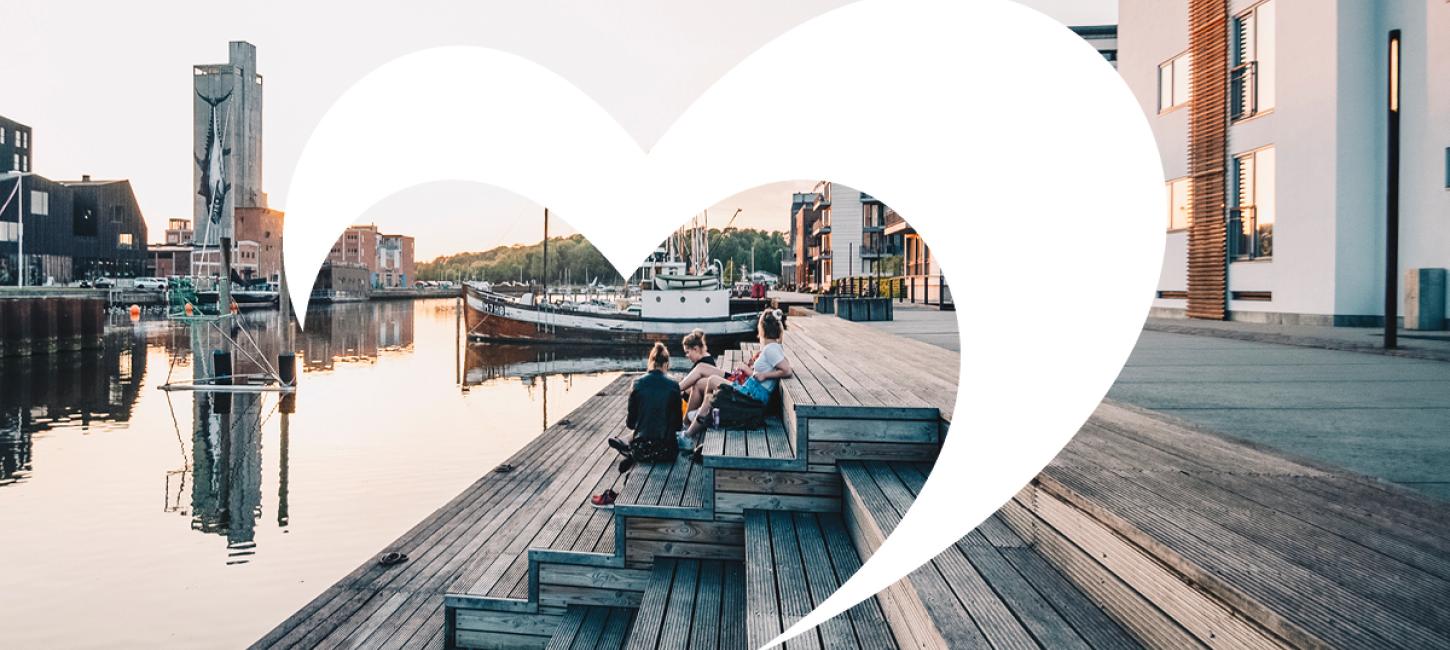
(1146, 530)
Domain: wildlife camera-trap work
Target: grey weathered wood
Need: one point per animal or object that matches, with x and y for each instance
(761, 597)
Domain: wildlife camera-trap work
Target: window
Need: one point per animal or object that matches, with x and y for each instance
(1251, 81)
(1180, 207)
(39, 202)
(125, 240)
(2, 135)
(1173, 76)
(9, 231)
(16, 165)
(1251, 212)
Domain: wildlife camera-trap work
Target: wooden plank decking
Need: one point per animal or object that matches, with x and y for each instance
(477, 543)
(692, 604)
(1142, 531)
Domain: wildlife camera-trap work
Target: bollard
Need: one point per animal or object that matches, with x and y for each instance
(221, 362)
(287, 368)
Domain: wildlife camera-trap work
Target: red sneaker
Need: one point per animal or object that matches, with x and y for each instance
(604, 500)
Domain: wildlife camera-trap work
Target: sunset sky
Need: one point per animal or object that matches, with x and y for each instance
(107, 87)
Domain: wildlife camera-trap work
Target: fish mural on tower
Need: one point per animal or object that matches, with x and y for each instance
(214, 185)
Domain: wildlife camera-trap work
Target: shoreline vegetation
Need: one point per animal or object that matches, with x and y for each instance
(578, 258)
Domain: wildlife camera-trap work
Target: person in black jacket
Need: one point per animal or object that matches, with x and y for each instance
(655, 414)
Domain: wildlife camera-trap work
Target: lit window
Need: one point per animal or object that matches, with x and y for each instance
(1251, 82)
(39, 202)
(1180, 206)
(1251, 215)
(125, 240)
(1173, 77)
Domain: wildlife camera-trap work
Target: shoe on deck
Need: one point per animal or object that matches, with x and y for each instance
(604, 500)
(619, 446)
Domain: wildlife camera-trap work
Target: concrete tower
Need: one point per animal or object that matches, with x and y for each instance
(226, 141)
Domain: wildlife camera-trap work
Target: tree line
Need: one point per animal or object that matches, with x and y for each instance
(575, 258)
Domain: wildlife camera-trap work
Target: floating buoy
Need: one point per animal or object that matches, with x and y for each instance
(135, 313)
(188, 309)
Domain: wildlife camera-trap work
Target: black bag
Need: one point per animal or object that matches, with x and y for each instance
(653, 450)
(738, 410)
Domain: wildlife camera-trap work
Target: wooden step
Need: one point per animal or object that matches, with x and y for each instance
(692, 604)
(592, 628)
(680, 489)
(1191, 537)
(766, 448)
(794, 560)
(988, 590)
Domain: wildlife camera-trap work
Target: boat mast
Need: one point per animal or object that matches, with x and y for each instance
(546, 255)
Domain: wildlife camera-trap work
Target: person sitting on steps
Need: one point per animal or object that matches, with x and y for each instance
(654, 415)
(766, 370)
(698, 352)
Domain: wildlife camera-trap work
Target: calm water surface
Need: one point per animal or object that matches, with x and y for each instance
(130, 516)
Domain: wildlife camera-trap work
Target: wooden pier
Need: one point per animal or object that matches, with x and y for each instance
(46, 325)
(1143, 532)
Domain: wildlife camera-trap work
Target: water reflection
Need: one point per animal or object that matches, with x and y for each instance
(76, 389)
(217, 481)
(485, 362)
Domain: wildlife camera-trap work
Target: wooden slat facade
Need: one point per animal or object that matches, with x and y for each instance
(1207, 158)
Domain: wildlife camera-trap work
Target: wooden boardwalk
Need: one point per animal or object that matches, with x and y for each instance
(1143, 532)
(476, 543)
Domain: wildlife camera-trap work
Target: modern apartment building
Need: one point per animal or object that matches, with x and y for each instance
(838, 232)
(1276, 122)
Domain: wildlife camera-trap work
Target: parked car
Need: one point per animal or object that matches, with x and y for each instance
(103, 283)
(150, 284)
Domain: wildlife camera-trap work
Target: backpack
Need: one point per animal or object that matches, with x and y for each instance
(737, 411)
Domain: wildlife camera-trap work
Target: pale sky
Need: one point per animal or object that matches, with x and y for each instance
(107, 87)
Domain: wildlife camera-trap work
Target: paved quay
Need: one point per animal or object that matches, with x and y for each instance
(1413, 344)
(1324, 394)
(1384, 416)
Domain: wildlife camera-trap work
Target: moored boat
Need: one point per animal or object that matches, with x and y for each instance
(658, 315)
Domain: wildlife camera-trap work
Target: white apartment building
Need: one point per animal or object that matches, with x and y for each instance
(1274, 128)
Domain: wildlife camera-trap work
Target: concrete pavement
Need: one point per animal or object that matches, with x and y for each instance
(1384, 416)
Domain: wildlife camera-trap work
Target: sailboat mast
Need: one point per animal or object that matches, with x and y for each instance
(546, 255)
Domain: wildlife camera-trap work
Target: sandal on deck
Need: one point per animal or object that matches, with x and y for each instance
(503, 469)
(392, 557)
(604, 500)
(619, 446)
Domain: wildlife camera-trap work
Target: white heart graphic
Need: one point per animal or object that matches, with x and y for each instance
(1004, 138)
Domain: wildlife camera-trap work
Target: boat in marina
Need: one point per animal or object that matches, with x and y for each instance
(657, 315)
(677, 290)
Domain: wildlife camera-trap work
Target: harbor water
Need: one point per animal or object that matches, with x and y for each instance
(156, 521)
